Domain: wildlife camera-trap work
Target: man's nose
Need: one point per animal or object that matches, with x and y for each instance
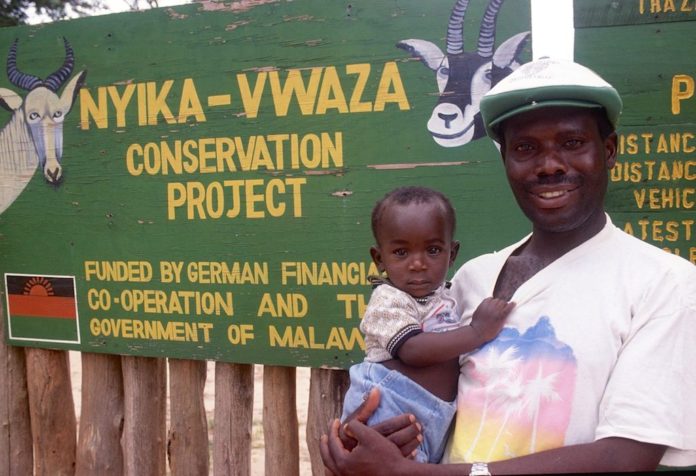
(551, 163)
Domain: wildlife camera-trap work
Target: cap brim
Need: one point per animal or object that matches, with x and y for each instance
(493, 125)
(496, 108)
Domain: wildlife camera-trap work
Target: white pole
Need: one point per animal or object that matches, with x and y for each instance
(553, 33)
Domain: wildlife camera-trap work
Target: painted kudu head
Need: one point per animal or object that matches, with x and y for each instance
(43, 109)
(464, 77)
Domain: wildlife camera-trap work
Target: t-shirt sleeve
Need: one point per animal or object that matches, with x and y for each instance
(651, 394)
(390, 319)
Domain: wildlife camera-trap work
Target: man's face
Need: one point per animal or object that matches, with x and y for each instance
(557, 166)
(415, 247)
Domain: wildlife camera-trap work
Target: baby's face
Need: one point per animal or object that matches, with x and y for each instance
(415, 247)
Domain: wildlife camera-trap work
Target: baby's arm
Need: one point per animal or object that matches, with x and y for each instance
(428, 348)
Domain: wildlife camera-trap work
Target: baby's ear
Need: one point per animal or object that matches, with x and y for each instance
(377, 258)
(453, 252)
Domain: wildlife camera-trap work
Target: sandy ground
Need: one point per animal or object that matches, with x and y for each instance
(257, 444)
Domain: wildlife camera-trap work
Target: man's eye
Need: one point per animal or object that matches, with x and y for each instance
(573, 143)
(524, 147)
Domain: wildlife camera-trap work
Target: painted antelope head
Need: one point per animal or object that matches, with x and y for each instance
(41, 113)
(464, 77)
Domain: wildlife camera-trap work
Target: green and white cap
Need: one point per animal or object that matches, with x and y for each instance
(547, 82)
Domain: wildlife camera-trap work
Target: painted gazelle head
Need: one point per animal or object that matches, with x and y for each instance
(463, 77)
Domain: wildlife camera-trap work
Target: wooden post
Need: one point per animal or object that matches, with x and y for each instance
(188, 433)
(15, 430)
(327, 388)
(282, 446)
(234, 404)
(144, 429)
(53, 424)
(101, 416)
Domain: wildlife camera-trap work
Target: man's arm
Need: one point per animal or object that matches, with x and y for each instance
(376, 455)
(602, 456)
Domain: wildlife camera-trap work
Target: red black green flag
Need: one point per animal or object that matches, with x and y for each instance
(42, 308)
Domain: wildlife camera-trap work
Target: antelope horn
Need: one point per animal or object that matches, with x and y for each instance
(55, 80)
(16, 77)
(455, 28)
(486, 38)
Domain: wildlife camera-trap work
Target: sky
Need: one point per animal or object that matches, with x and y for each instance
(552, 24)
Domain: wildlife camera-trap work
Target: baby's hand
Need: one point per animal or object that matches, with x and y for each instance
(489, 317)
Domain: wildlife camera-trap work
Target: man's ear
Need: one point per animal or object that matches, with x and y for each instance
(377, 258)
(610, 148)
(453, 252)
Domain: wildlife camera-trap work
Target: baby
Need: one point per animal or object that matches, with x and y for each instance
(413, 335)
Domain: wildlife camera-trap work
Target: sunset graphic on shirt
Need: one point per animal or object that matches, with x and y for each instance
(515, 397)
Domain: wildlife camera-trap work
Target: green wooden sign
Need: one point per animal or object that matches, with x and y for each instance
(599, 13)
(197, 182)
(645, 48)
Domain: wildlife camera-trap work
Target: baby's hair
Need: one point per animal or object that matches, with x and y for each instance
(412, 194)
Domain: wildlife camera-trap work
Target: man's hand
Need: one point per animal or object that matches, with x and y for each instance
(401, 433)
(402, 430)
(373, 454)
(362, 414)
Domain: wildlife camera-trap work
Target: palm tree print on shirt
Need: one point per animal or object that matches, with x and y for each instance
(515, 395)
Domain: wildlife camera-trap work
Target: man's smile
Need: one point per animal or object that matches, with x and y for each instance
(551, 194)
(553, 197)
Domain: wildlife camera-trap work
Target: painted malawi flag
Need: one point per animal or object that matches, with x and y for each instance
(42, 308)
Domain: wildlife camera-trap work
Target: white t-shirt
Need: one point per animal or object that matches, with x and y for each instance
(601, 343)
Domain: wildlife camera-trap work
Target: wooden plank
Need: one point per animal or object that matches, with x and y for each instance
(280, 433)
(15, 434)
(144, 429)
(234, 402)
(101, 416)
(326, 390)
(188, 433)
(53, 425)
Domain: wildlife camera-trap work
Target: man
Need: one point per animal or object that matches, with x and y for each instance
(594, 371)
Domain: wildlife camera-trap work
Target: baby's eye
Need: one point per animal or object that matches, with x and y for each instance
(400, 252)
(434, 250)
